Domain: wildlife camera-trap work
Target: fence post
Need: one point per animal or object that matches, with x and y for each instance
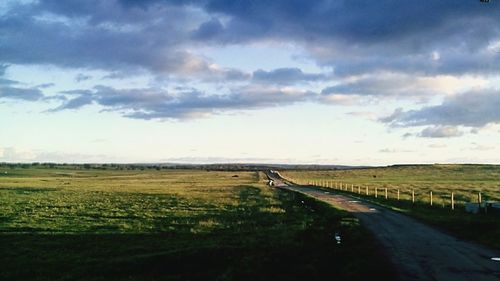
(431, 198)
(413, 195)
(386, 193)
(452, 201)
(367, 190)
(359, 189)
(398, 194)
(352, 188)
(479, 199)
(376, 192)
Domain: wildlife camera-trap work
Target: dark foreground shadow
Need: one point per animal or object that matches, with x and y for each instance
(298, 244)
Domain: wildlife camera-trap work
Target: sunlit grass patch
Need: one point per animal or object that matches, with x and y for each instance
(170, 225)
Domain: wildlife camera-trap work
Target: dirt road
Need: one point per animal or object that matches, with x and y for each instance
(419, 252)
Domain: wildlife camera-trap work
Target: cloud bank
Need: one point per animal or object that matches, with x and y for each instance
(471, 109)
(366, 49)
(153, 103)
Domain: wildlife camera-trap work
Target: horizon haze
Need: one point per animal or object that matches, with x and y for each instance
(358, 83)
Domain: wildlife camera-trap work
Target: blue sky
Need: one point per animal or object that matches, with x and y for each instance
(296, 81)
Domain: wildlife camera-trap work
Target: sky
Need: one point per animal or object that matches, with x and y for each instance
(346, 82)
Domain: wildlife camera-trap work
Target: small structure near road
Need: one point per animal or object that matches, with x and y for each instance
(472, 208)
(486, 207)
(270, 183)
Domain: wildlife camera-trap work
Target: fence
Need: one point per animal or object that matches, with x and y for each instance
(445, 199)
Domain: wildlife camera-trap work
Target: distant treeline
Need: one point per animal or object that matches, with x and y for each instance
(164, 166)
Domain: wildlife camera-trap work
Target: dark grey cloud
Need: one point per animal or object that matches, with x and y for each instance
(286, 76)
(359, 22)
(352, 36)
(151, 103)
(208, 30)
(3, 68)
(82, 77)
(363, 36)
(471, 109)
(10, 89)
(4, 82)
(45, 85)
(95, 34)
(27, 94)
(75, 103)
(382, 86)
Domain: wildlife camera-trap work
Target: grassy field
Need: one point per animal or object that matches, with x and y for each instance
(465, 181)
(68, 224)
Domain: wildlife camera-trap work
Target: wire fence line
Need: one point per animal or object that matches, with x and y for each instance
(449, 198)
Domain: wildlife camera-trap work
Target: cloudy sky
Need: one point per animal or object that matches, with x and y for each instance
(286, 81)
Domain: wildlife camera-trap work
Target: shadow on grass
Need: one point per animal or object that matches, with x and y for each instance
(298, 244)
(25, 190)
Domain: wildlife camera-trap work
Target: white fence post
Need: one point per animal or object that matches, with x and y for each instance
(452, 202)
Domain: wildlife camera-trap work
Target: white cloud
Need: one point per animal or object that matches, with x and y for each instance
(471, 109)
(17, 154)
(402, 85)
(13, 154)
(437, 145)
(394, 150)
(441, 132)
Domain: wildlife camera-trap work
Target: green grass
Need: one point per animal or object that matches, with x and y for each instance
(466, 181)
(68, 224)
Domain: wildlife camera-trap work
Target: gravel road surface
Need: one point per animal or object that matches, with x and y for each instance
(418, 251)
